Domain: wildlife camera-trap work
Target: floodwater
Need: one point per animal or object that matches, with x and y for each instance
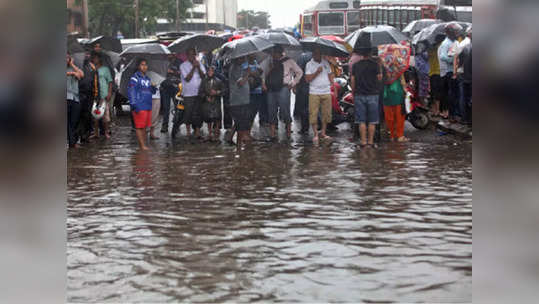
(273, 222)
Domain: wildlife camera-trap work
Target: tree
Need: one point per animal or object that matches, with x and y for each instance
(249, 19)
(107, 17)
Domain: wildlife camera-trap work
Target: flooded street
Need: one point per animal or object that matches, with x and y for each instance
(273, 222)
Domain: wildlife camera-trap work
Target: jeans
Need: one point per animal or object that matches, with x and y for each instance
(279, 101)
(167, 95)
(258, 105)
(85, 119)
(73, 115)
(450, 95)
(465, 101)
(302, 107)
(367, 109)
(227, 117)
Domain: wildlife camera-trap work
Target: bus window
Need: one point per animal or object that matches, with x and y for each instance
(404, 17)
(391, 16)
(417, 15)
(384, 12)
(334, 20)
(380, 16)
(308, 24)
(398, 19)
(354, 21)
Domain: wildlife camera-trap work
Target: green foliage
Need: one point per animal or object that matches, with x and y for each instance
(258, 18)
(107, 17)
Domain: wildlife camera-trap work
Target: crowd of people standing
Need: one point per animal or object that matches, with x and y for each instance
(231, 94)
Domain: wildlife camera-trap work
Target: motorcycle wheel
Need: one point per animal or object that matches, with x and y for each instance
(419, 120)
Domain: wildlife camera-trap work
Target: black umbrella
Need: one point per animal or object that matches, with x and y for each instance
(281, 38)
(226, 36)
(107, 43)
(373, 36)
(157, 71)
(282, 30)
(416, 26)
(432, 35)
(73, 46)
(147, 50)
(327, 47)
(199, 42)
(245, 46)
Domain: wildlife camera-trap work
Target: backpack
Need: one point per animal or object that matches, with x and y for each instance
(275, 78)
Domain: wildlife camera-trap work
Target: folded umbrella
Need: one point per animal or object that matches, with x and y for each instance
(147, 50)
(396, 60)
(416, 26)
(107, 43)
(202, 43)
(373, 36)
(157, 68)
(327, 47)
(244, 47)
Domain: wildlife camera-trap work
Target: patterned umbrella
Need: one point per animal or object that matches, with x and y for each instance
(396, 60)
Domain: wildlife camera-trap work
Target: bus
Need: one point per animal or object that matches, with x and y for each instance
(337, 18)
(341, 17)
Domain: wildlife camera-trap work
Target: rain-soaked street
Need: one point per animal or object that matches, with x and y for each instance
(273, 222)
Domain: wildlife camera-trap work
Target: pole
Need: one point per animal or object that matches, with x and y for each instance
(206, 15)
(178, 15)
(136, 18)
(85, 18)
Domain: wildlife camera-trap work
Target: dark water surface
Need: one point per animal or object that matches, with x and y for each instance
(282, 222)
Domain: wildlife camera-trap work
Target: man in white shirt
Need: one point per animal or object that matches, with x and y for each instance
(192, 74)
(319, 77)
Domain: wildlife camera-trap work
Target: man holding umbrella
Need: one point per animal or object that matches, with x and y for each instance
(320, 77)
(192, 73)
(283, 75)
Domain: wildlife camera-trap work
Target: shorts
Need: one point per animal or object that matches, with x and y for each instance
(315, 103)
(367, 109)
(241, 115)
(436, 87)
(142, 119)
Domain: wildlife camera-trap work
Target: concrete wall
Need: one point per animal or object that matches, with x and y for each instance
(219, 11)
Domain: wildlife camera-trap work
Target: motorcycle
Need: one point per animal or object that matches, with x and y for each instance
(340, 112)
(416, 112)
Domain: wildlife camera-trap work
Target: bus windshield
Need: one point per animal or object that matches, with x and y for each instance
(331, 19)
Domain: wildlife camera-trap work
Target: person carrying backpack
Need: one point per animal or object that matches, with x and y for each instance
(283, 75)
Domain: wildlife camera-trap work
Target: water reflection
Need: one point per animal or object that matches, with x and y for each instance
(286, 222)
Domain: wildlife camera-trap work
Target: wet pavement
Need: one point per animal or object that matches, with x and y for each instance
(272, 222)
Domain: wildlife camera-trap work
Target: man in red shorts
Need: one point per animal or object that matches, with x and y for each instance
(140, 91)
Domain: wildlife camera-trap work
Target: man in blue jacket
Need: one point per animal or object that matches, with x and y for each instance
(140, 90)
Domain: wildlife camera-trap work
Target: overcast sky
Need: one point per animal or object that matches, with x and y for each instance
(283, 12)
